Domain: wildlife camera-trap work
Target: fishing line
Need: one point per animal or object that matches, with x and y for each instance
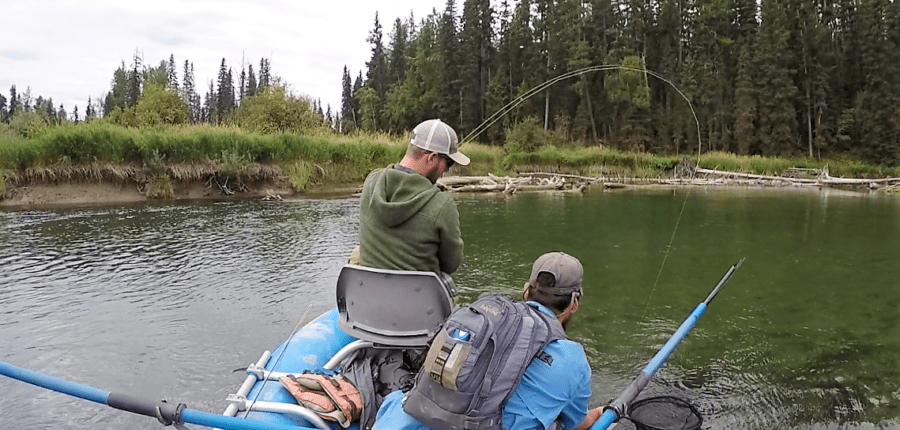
(666, 256)
(265, 380)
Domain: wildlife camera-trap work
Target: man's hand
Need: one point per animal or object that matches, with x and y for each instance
(592, 416)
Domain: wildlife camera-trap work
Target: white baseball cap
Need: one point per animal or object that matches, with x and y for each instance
(436, 136)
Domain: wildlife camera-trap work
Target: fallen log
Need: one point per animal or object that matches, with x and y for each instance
(539, 187)
(823, 179)
(563, 175)
(478, 188)
(453, 181)
(752, 176)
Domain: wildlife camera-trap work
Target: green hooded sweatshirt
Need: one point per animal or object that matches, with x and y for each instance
(407, 223)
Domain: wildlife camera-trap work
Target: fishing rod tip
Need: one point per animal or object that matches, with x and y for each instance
(738, 265)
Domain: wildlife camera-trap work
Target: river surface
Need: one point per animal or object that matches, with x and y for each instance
(165, 301)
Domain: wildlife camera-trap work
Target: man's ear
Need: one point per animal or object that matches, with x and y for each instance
(525, 289)
(431, 156)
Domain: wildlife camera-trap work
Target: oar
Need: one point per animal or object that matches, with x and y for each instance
(166, 413)
(619, 407)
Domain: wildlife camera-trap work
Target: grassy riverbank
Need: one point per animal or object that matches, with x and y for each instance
(159, 159)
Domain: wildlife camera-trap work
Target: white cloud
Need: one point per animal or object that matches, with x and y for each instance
(69, 50)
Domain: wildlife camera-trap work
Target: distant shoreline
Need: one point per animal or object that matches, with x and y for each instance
(52, 195)
(105, 193)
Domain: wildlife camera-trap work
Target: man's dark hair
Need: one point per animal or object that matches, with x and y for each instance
(543, 293)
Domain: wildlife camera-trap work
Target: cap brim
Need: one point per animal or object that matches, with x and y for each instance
(459, 158)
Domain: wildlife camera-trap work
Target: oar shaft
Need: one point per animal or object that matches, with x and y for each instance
(138, 405)
(95, 395)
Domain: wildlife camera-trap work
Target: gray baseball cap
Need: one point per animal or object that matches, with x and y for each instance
(566, 270)
(436, 136)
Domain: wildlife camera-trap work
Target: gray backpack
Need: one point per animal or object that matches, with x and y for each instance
(476, 361)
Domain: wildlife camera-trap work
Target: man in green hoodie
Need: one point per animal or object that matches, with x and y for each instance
(406, 222)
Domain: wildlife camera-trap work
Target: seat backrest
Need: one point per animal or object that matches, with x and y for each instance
(392, 307)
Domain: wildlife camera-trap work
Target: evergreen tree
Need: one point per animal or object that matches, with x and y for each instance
(75, 115)
(570, 54)
(208, 112)
(89, 110)
(190, 92)
(25, 100)
(357, 86)
(51, 110)
(746, 104)
(39, 104)
(777, 116)
(225, 93)
(61, 113)
(264, 74)
(171, 73)
(449, 106)
(876, 105)
(377, 76)
(712, 68)
(232, 98)
(417, 98)
(134, 81)
(251, 81)
(397, 60)
(13, 101)
(243, 85)
(118, 94)
(814, 74)
(4, 112)
(157, 75)
(476, 40)
(348, 115)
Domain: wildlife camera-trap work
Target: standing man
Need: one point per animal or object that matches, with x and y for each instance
(406, 222)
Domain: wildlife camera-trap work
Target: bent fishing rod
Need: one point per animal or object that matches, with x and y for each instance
(619, 407)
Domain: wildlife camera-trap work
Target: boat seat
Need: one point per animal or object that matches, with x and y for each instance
(393, 307)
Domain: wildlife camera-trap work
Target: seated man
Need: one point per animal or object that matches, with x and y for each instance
(406, 222)
(549, 391)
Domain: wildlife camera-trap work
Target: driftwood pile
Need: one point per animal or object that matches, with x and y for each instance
(682, 176)
(527, 182)
(791, 178)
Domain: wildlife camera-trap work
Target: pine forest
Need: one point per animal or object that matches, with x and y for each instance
(795, 78)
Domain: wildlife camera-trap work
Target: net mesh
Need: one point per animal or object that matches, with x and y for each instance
(664, 413)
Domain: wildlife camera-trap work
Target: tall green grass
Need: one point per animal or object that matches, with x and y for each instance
(630, 163)
(323, 156)
(82, 143)
(755, 164)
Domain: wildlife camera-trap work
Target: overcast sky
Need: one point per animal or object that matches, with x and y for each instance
(68, 50)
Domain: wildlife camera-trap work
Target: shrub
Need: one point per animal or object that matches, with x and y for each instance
(275, 110)
(160, 188)
(160, 106)
(30, 124)
(529, 136)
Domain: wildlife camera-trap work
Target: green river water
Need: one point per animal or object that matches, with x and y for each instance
(166, 300)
